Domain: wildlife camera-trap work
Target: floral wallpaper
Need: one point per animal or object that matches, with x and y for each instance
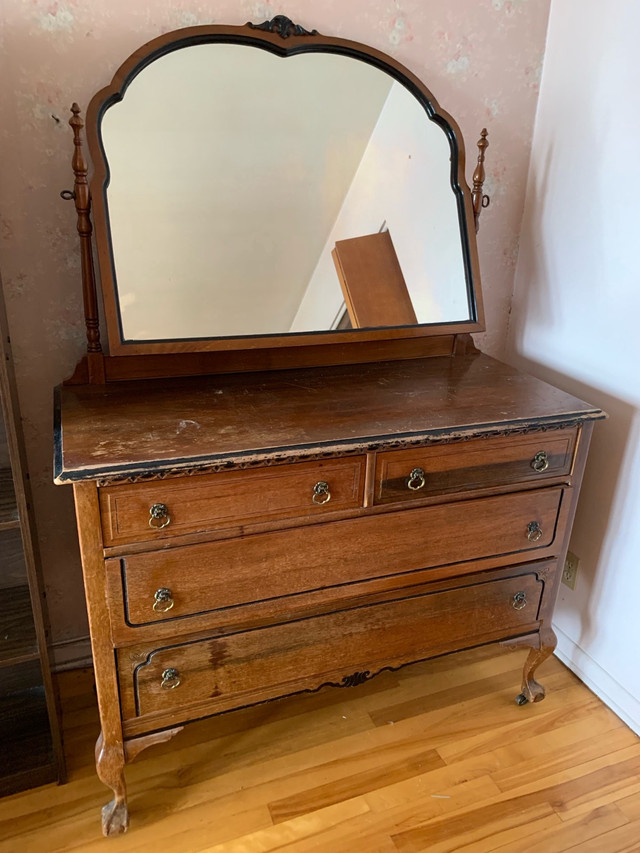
(481, 58)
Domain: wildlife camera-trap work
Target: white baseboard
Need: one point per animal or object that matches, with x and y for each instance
(612, 693)
(71, 654)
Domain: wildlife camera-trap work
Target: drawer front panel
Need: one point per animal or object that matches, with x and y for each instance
(178, 582)
(338, 647)
(218, 501)
(479, 463)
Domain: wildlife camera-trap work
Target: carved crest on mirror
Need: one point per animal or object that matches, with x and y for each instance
(283, 26)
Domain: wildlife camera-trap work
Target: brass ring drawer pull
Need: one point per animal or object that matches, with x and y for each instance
(534, 531)
(519, 600)
(540, 462)
(170, 679)
(321, 493)
(159, 516)
(163, 600)
(416, 479)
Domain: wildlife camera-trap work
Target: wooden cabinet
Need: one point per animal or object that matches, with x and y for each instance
(30, 743)
(252, 581)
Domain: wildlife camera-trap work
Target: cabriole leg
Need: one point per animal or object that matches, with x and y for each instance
(110, 763)
(532, 691)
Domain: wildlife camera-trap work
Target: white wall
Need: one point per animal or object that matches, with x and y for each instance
(576, 317)
(404, 180)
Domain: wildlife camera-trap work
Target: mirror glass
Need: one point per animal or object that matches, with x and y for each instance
(250, 194)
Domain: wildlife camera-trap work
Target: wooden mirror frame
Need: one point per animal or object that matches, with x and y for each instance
(283, 38)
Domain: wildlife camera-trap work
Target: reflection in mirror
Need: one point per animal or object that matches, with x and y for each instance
(374, 289)
(234, 174)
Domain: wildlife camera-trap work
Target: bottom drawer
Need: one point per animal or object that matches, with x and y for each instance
(212, 675)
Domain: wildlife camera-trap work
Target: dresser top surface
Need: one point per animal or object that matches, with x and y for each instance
(172, 424)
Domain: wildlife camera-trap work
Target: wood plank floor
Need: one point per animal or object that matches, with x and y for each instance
(436, 757)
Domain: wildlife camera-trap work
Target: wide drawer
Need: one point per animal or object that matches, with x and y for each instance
(179, 582)
(409, 475)
(231, 499)
(341, 648)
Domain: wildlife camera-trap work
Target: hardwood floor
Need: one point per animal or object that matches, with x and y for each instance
(436, 757)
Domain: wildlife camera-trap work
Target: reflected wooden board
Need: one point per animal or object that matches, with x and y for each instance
(372, 282)
(436, 757)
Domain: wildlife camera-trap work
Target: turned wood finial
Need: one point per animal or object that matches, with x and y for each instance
(82, 199)
(478, 199)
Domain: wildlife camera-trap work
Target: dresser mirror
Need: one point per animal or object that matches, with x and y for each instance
(239, 171)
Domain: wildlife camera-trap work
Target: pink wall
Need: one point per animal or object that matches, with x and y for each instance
(481, 58)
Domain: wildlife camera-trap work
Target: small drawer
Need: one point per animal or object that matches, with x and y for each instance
(165, 508)
(407, 475)
(176, 582)
(341, 648)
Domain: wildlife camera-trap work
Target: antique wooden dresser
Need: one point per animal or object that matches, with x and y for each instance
(280, 508)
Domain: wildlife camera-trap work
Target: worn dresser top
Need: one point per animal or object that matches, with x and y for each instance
(157, 426)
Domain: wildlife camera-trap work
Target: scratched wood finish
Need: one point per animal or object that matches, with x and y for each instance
(285, 416)
(287, 562)
(474, 464)
(434, 757)
(231, 499)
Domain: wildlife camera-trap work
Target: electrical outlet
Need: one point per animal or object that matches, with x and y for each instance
(570, 571)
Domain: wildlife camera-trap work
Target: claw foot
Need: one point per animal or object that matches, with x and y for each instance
(115, 818)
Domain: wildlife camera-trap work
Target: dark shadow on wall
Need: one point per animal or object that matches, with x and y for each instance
(605, 484)
(555, 244)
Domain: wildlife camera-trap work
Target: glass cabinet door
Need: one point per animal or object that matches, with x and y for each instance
(30, 745)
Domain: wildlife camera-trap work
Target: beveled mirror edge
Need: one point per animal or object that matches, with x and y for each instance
(283, 41)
